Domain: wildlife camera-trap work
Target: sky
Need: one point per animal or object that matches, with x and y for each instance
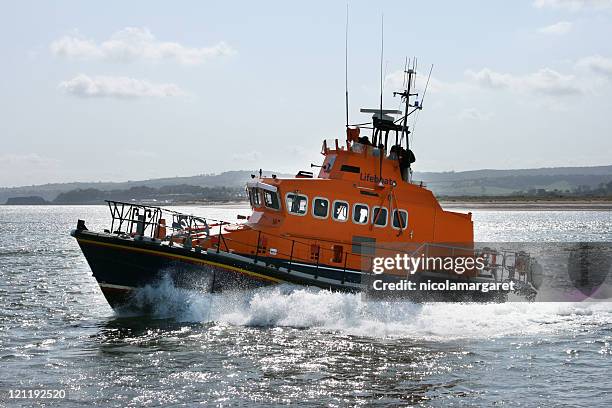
(115, 90)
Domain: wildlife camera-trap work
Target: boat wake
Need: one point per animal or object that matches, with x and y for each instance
(311, 308)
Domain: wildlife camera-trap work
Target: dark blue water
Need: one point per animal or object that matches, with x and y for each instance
(290, 345)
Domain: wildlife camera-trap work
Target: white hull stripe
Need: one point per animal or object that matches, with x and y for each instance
(330, 268)
(111, 286)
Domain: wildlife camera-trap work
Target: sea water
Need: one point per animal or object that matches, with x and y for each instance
(286, 344)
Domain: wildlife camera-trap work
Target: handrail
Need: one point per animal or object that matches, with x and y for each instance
(147, 218)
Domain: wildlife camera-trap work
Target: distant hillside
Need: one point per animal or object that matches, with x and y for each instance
(492, 173)
(463, 183)
(507, 182)
(174, 194)
(32, 200)
(49, 192)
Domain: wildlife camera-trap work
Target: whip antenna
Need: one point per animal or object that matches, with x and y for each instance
(346, 95)
(426, 84)
(416, 117)
(382, 50)
(403, 84)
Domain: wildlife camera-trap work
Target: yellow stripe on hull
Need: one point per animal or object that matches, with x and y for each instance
(182, 257)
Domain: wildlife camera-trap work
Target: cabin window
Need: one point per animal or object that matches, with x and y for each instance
(328, 163)
(254, 197)
(297, 204)
(379, 216)
(270, 199)
(361, 213)
(341, 209)
(350, 169)
(320, 207)
(400, 219)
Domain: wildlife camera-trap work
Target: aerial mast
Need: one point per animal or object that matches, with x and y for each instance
(382, 53)
(410, 72)
(346, 94)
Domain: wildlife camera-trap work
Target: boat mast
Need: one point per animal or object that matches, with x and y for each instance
(405, 131)
(405, 94)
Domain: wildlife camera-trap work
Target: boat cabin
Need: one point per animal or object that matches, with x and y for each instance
(363, 193)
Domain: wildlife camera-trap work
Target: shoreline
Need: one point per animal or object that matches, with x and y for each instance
(446, 203)
(527, 205)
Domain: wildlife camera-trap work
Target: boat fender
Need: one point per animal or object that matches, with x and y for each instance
(161, 229)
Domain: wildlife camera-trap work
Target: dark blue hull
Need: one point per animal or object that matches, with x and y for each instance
(121, 265)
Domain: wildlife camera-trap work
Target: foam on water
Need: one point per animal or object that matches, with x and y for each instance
(55, 331)
(291, 306)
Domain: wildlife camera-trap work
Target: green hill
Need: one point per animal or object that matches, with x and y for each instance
(566, 180)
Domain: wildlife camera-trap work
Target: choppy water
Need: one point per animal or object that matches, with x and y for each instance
(291, 345)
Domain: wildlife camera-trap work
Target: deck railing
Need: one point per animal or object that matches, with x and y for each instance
(161, 225)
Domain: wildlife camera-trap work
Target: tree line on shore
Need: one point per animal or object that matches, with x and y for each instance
(183, 193)
(168, 194)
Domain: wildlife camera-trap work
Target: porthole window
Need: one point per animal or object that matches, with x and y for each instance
(361, 213)
(320, 207)
(379, 216)
(341, 210)
(297, 204)
(400, 219)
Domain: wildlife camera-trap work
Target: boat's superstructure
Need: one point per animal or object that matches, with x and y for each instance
(322, 230)
(363, 194)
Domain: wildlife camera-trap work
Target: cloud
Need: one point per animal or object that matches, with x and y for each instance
(573, 5)
(30, 159)
(395, 81)
(473, 114)
(252, 156)
(560, 28)
(546, 81)
(490, 79)
(136, 44)
(117, 87)
(597, 64)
